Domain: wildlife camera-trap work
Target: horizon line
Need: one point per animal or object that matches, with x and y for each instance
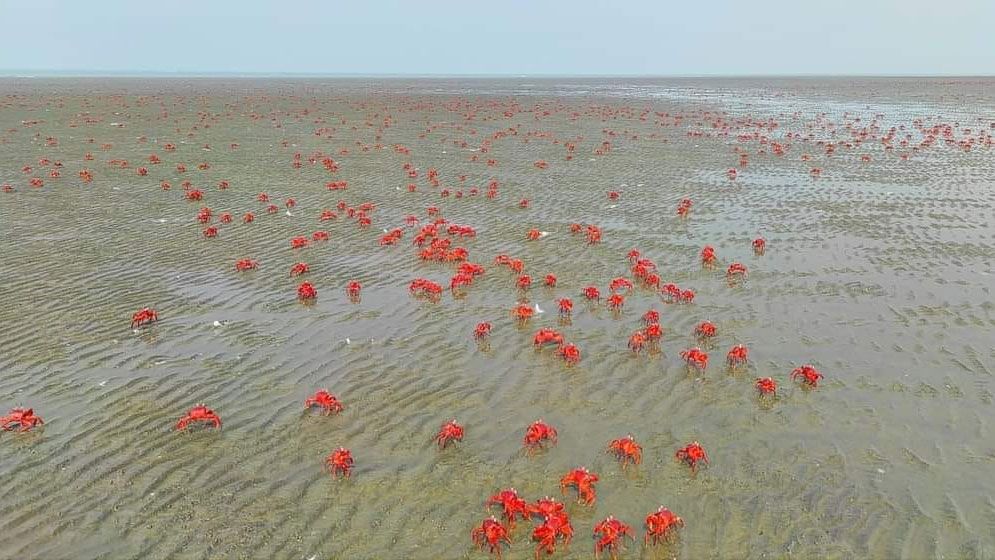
(41, 73)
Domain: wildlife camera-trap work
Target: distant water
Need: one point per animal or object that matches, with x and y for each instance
(877, 272)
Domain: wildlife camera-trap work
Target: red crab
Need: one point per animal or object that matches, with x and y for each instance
(808, 374)
(328, 402)
(23, 417)
(659, 524)
(556, 525)
(523, 203)
(545, 507)
(759, 245)
(493, 534)
(653, 331)
(550, 281)
(651, 316)
(512, 504)
(583, 480)
(449, 432)
(545, 336)
(687, 296)
(613, 195)
(637, 341)
(569, 353)
(306, 291)
(695, 357)
(626, 450)
(145, 315)
(705, 329)
(482, 330)
(524, 282)
(736, 269)
(320, 236)
(353, 288)
(225, 218)
(199, 413)
(593, 235)
(566, 306)
(766, 386)
(210, 232)
(522, 312)
(299, 268)
(692, 454)
(537, 434)
(298, 242)
(340, 461)
(611, 532)
(620, 283)
(708, 255)
(591, 293)
(616, 302)
(737, 356)
(246, 264)
(533, 234)
(248, 218)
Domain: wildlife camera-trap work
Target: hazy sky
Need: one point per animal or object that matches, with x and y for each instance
(502, 36)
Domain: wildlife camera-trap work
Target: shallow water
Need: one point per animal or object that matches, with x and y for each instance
(880, 274)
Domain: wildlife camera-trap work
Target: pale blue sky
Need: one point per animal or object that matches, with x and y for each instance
(502, 36)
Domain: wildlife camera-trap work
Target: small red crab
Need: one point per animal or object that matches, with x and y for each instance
(759, 245)
(340, 461)
(306, 291)
(695, 357)
(545, 336)
(659, 525)
(766, 386)
(737, 356)
(626, 450)
(143, 316)
(620, 283)
(299, 268)
(591, 293)
(538, 434)
(298, 242)
(566, 306)
(512, 505)
(611, 532)
(210, 232)
(637, 341)
(23, 417)
(482, 330)
(708, 255)
(522, 312)
(449, 432)
(651, 316)
(583, 480)
(616, 302)
(556, 525)
(319, 236)
(691, 454)
(492, 533)
(199, 413)
(248, 218)
(353, 289)
(328, 402)
(533, 234)
(808, 374)
(570, 354)
(524, 282)
(705, 329)
(736, 269)
(246, 264)
(653, 331)
(550, 280)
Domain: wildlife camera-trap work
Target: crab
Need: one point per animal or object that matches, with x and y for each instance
(23, 417)
(616, 302)
(705, 329)
(566, 306)
(546, 336)
(651, 316)
(533, 234)
(482, 330)
(736, 269)
(620, 283)
(210, 232)
(737, 356)
(695, 357)
(449, 432)
(459, 280)
(691, 454)
(492, 533)
(808, 374)
(248, 218)
(320, 236)
(550, 281)
(537, 435)
(306, 291)
(653, 331)
(708, 255)
(298, 242)
(593, 235)
(766, 386)
(637, 341)
(583, 480)
(246, 264)
(759, 245)
(569, 353)
(611, 532)
(591, 293)
(555, 525)
(327, 402)
(522, 312)
(659, 525)
(512, 505)
(524, 282)
(299, 268)
(144, 316)
(199, 413)
(339, 462)
(353, 288)
(626, 450)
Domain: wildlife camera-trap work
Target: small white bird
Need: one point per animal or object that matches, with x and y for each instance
(347, 341)
(289, 214)
(538, 309)
(544, 233)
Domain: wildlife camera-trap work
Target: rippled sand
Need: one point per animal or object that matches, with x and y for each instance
(879, 274)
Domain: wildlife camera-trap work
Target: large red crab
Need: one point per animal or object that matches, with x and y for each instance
(537, 435)
(566, 306)
(20, 417)
(143, 316)
(616, 302)
(626, 450)
(583, 480)
(546, 336)
(341, 462)
(199, 413)
(491, 533)
(449, 432)
(512, 505)
(736, 270)
(808, 374)
(306, 291)
(737, 356)
(353, 289)
(570, 353)
(659, 525)
(591, 293)
(766, 386)
(691, 454)
(705, 329)
(708, 255)
(324, 400)
(611, 532)
(695, 357)
(482, 330)
(555, 525)
(619, 284)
